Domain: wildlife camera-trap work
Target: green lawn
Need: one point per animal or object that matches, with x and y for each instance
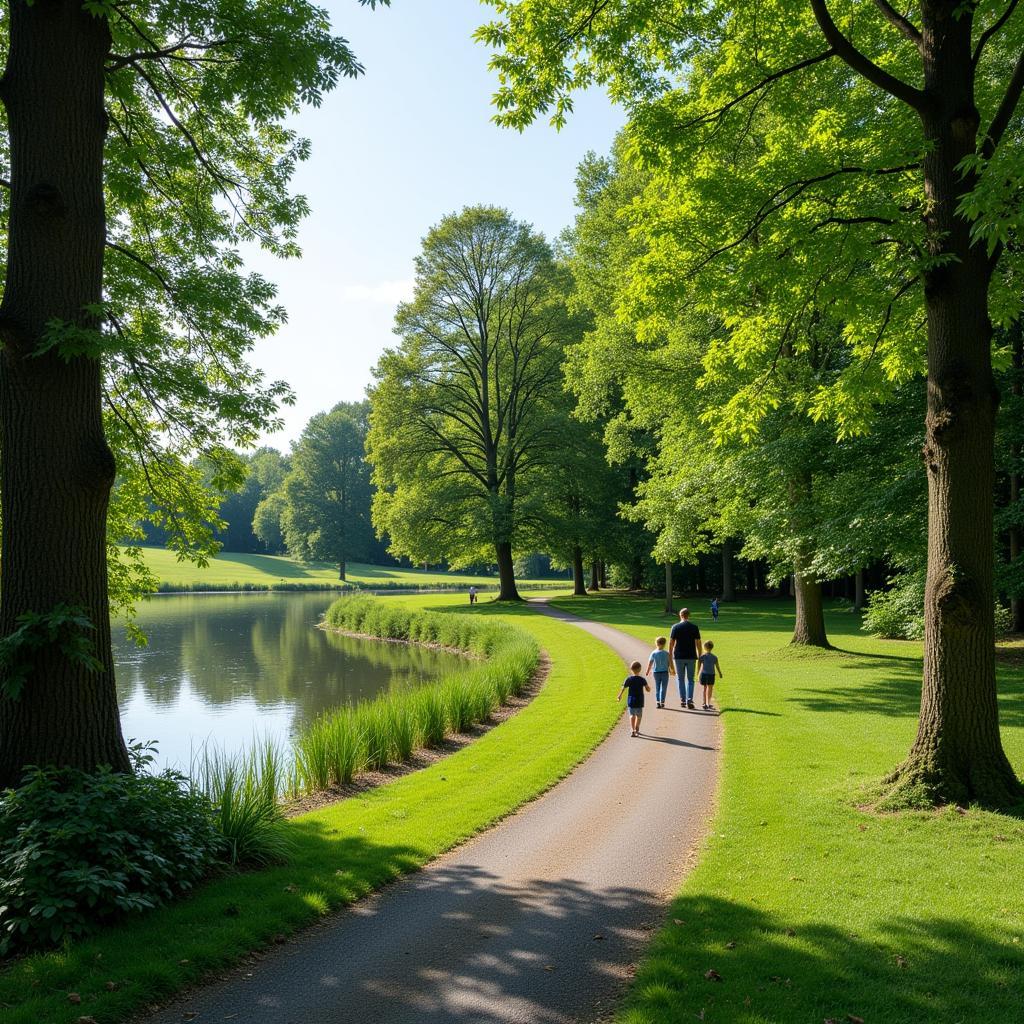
(230, 569)
(342, 852)
(810, 909)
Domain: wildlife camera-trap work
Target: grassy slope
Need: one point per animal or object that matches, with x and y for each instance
(234, 568)
(342, 851)
(896, 920)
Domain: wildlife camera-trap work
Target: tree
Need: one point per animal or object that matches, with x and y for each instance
(144, 144)
(326, 495)
(464, 422)
(944, 98)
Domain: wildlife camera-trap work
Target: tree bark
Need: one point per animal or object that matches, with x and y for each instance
(506, 572)
(341, 569)
(595, 579)
(810, 612)
(579, 583)
(668, 589)
(728, 585)
(57, 469)
(603, 571)
(957, 755)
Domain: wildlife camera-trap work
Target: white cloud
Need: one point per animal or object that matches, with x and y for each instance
(387, 292)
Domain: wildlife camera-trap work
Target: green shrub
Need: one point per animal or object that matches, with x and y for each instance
(78, 849)
(374, 728)
(403, 734)
(330, 752)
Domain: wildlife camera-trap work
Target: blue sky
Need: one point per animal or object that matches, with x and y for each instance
(393, 151)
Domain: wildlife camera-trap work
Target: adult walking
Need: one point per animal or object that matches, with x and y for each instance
(684, 648)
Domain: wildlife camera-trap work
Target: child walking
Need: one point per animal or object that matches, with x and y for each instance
(635, 684)
(659, 662)
(708, 664)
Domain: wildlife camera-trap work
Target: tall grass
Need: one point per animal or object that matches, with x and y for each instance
(245, 791)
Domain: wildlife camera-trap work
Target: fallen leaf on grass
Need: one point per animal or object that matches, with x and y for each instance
(730, 945)
(901, 961)
(854, 1019)
(111, 986)
(677, 921)
(74, 998)
(291, 888)
(790, 932)
(712, 975)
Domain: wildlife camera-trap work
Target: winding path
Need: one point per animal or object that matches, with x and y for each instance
(536, 921)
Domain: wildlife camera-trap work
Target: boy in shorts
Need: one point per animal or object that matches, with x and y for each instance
(708, 663)
(636, 685)
(659, 662)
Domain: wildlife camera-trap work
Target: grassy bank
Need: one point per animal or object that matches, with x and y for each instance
(809, 909)
(340, 852)
(235, 571)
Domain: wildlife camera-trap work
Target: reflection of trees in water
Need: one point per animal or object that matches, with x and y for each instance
(266, 649)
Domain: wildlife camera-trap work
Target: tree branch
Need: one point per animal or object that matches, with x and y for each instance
(863, 65)
(992, 30)
(1006, 110)
(908, 28)
(763, 84)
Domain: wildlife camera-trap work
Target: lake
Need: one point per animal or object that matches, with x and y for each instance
(228, 667)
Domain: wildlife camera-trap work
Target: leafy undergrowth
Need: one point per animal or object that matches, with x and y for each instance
(807, 908)
(340, 852)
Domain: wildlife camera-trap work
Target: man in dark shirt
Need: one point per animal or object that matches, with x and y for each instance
(683, 646)
(635, 685)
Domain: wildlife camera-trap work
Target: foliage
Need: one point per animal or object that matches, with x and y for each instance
(898, 613)
(464, 420)
(79, 849)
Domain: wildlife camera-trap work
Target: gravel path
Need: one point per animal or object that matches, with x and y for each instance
(538, 921)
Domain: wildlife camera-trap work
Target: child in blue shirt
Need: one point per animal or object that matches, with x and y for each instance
(636, 685)
(659, 662)
(708, 664)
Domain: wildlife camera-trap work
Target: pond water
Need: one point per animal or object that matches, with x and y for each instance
(229, 667)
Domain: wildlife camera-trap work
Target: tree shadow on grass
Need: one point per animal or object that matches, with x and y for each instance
(280, 568)
(908, 970)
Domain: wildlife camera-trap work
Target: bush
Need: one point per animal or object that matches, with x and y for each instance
(898, 613)
(78, 849)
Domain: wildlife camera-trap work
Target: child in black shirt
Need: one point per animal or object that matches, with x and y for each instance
(636, 685)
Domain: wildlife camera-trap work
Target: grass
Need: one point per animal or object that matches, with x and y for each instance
(809, 908)
(235, 570)
(340, 852)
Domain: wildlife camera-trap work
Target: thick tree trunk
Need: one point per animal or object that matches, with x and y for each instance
(957, 755)
(595, 576)
(506, 572)
(728, 586)
(341, 569)
(603, 571)
(668, 588)
(57, 470)
(579, 583)
(810, 613)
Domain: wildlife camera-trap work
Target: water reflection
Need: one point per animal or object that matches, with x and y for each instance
(229, 666)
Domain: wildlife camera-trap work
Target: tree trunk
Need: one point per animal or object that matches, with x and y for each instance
(604, 574)
(1016, 601)
(579, 584)
(636, 575)
(810, 613)
(595, 581)
(957, 755)
(506, 572)
(858, 591)
(668, 589)
(57, 469)
(341, 569)
(728, 586)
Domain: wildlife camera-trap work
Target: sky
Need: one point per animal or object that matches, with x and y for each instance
(392, 152)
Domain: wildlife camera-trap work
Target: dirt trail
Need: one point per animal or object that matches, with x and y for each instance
(537, 921)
